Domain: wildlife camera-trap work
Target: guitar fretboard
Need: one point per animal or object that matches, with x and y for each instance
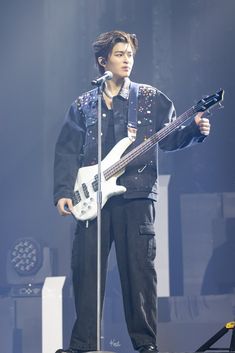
(149, 143)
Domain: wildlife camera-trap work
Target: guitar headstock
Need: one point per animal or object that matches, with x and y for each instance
(209, 101)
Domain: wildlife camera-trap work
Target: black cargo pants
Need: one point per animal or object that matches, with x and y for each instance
(130, 224)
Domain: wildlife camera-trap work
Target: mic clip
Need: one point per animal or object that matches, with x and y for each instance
(99, 81)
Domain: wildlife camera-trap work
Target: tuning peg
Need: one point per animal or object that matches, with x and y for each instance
(221, 105)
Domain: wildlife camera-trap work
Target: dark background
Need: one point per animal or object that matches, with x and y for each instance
(186, 49)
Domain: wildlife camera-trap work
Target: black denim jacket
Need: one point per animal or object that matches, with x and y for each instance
(77, 142)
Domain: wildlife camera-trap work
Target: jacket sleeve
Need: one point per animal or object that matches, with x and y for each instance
(68, 152)
(182, 137)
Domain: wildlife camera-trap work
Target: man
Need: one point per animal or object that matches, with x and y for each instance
(128, 219)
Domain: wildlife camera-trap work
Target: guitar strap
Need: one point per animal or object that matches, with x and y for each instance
(132, 111)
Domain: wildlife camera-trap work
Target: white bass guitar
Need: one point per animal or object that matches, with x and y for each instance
(113, 165)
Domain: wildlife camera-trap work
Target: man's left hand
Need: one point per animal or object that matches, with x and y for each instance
(203, 124)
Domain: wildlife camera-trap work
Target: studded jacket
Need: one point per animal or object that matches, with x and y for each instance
(77, 143)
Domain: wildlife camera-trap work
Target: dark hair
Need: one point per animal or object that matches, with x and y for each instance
(105, 42)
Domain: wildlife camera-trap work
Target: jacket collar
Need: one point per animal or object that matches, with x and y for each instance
(92, 96)
(124, 91)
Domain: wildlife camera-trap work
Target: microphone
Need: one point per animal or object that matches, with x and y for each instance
(106, 76)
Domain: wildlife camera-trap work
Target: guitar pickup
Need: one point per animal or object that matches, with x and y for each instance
(85, 190)
(95, 183)
(76, 198)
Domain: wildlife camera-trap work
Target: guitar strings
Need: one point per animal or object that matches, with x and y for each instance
(149, 143)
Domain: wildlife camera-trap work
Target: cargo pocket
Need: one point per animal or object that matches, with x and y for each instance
(77, 244)
(147, 233)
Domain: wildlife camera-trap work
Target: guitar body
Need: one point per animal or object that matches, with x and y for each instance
(86, 183)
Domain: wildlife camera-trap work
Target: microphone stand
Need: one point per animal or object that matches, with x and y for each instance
(99, 85)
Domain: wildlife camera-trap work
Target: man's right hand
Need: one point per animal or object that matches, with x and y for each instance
(64, 206)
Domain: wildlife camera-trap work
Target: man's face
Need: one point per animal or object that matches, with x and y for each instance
(120, 61)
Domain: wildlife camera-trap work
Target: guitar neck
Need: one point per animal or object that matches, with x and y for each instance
(148, 144)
